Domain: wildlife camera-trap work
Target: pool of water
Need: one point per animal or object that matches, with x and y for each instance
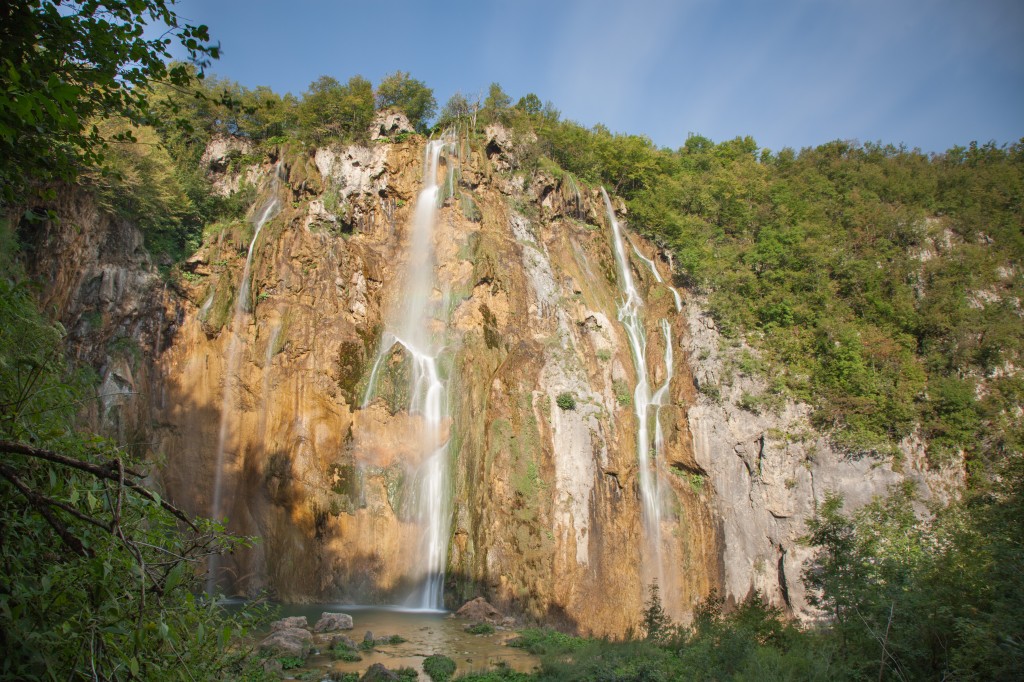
(426, 632)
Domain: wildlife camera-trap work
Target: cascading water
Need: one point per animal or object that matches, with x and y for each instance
(410, 329)
(268, 211)
(644, 402)
(657, 277)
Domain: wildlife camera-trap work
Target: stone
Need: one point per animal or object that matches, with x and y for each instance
(288, 642)
(389, 123)
(330, 622)
(368, 637)
(478, 610)
(378, 673)
(289, 623)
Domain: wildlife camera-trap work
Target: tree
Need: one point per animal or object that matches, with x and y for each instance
(497, 103)
(332, 111)
(454, 110)
(401, 91)
(656, 621)
(529, 103)
(63, 64)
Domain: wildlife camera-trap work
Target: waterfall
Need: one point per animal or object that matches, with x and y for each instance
(410, 329)
(644, 403)
(241, 310)
(657, 276)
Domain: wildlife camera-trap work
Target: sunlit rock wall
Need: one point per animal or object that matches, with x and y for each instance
(545, 501)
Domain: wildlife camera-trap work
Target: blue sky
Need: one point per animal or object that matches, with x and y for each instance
(796, 73)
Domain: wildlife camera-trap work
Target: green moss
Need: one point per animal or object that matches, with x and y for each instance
(469, 208)
(351, 365)
(491, 336)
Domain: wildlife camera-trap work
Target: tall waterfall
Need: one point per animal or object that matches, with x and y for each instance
(241, 310)
(645, 403)
(409, 328)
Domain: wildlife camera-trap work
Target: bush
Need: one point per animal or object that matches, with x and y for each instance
(343, 652)
(480, 629)
(566, 401)
(439, 667)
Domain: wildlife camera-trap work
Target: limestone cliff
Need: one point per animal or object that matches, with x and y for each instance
(250, 372)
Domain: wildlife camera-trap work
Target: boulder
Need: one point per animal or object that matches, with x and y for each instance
(288, 642)
(389, 123)
(378, 673)
(478, 610)
(289, 623)
(330, 622)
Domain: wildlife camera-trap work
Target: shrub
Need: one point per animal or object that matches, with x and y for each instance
(289, 662)
(566, 401)
(439, 667)
(480, 629)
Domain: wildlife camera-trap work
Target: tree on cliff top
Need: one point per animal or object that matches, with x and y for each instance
(332, 111)
(65, 63)
(401, 91)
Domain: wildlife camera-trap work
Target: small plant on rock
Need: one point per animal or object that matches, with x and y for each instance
(566, 401)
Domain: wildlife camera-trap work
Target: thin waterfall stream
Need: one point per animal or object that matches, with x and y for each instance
(645, 402)
(233, 358)
(410, 329)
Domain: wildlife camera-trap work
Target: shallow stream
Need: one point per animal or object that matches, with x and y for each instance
(426, 632)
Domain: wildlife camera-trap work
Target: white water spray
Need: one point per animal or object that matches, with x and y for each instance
(409, 329)
(644, 402)
(269, 210)
(657, 277)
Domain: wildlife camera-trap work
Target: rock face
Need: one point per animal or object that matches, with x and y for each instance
(268, 400)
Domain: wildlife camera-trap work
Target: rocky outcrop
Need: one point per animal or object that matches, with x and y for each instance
(769, 469)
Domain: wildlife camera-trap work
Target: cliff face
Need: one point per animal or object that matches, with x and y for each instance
(263, 391)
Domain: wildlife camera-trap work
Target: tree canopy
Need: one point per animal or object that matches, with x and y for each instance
(401, 91)
(63, 64)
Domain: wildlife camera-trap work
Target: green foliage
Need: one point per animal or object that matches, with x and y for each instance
(439, 667)
(500, 673)
(342, 652)
(401, 91)
(566, 401)
(65, 64)
(480, 629)
(290, 662)
(330, 111)
(541, 641)
(622, 393)
(454, 111)
(655, 621)
(929, 599)
(99, 574)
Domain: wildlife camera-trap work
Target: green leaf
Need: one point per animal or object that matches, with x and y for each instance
(174, 577)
